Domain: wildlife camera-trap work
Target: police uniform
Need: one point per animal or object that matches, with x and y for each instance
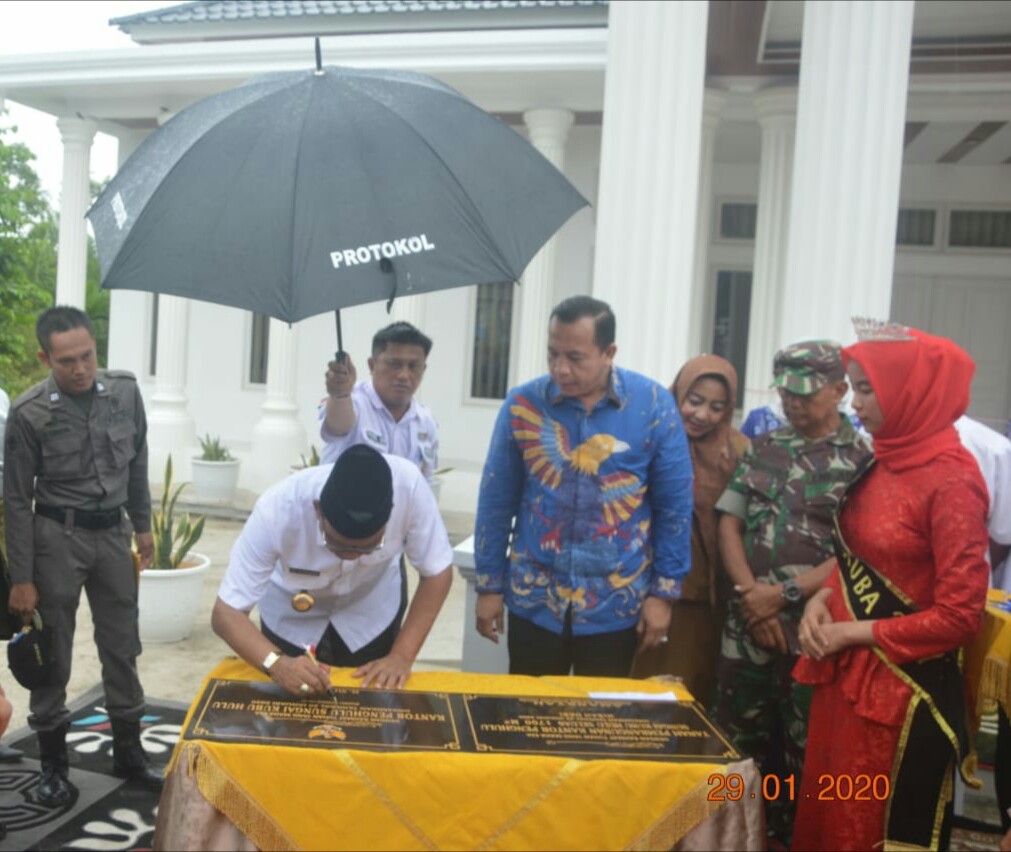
(81, 470)
(281, 564)
(413, 437)
(785, 489)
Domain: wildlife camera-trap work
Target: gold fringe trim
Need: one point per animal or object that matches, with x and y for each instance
(685, 814)
(225, 794)
(560, 777)
(352, 766)
(995, 681)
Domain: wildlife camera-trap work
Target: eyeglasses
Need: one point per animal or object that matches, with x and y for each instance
(338, 547)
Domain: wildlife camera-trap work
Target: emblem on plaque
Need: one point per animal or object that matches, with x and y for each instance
(302, 601)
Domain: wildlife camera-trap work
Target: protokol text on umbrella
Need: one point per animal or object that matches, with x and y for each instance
(377, 251)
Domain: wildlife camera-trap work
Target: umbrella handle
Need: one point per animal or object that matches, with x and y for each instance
(340, 356)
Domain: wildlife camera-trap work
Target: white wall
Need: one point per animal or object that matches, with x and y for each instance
(222, 402)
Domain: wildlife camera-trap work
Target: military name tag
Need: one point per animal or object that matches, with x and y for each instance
(240, 711)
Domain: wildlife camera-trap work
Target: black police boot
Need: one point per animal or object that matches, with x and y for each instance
(53, 787)
(128, 758)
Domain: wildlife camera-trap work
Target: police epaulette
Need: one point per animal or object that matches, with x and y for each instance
(120, 374)
(30, 394)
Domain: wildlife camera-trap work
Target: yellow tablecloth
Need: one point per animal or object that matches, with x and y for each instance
(296, 798)
(988, 660)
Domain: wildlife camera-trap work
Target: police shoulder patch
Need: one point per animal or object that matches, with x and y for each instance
(120, 374)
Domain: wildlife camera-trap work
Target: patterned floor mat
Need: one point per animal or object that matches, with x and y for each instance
(108, 814)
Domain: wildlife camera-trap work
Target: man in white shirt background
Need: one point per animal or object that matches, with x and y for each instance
(992, 452)
(382, 413)
(319, 555)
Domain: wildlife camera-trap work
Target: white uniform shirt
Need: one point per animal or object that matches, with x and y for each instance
(992, 452)
(414, 437)
(281, 551)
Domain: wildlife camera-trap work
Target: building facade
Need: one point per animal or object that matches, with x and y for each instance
(759, 172)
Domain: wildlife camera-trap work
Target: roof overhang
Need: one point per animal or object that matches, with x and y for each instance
(500, 70)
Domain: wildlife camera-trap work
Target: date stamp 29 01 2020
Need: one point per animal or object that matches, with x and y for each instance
(831, 788)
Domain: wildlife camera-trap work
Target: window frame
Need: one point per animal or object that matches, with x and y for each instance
(718, 203)
(467, 398)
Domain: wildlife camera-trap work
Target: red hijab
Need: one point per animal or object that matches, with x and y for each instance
(922, 387)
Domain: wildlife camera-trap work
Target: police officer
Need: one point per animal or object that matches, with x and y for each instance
(76, 457)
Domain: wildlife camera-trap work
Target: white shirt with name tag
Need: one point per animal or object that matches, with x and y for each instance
(281, 552)
(414, 437)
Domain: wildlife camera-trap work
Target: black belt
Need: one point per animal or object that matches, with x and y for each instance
(83, 519)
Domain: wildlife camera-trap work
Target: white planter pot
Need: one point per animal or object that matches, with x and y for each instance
(168, 600)
(215, 481)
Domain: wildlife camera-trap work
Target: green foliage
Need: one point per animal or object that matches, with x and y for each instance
(214, 450)
(171, 542)
(29, 236)
(27, 265)
(313, 459)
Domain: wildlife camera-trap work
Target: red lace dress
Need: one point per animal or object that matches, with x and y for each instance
(924, 530)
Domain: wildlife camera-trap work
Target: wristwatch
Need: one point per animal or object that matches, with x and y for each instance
(270, 659)
(792, 592)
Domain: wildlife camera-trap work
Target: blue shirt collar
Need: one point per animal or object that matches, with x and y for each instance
(616, 393)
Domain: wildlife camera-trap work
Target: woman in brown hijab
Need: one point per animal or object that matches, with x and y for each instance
(705, 391)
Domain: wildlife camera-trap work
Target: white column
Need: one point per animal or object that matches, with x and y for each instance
(548, 130)
(128, 345)
(649, 177)
(170, 426)
(75, 195)
(777, 116)
(278, 436)
(409, 309)
(700, 331)
(854, 75)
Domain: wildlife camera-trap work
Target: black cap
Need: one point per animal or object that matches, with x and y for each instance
(357, 497)
(28, 656)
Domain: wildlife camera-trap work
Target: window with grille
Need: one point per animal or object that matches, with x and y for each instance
(492, 330)
(985, 229)
(259, 346)
(730, 324)
(916, 227)
(738, 221)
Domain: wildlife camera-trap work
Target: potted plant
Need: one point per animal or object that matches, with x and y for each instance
(437, 479)
(215, 472)
(169, 589)
(312, 461)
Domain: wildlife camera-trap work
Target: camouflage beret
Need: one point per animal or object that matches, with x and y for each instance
(805, 368)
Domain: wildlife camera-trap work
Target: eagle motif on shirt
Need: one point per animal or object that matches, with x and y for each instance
(549, 456)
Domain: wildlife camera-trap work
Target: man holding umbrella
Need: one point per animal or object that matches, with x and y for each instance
(382, 413)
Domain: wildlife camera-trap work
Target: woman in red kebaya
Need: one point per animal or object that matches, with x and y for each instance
(881, 638)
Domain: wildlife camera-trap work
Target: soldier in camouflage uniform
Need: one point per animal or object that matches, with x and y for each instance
(775, 540)
(75, 458)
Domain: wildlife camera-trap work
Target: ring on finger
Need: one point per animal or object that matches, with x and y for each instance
(304, 689)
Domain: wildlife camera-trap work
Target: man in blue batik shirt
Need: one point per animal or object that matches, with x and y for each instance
(592, 463)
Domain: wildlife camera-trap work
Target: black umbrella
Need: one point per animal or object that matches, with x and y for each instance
(304, 192)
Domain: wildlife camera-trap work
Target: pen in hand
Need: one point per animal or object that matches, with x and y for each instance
(310, 652)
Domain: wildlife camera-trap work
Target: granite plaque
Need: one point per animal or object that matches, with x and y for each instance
(584, 728)
(250, 712)
(390, 720)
